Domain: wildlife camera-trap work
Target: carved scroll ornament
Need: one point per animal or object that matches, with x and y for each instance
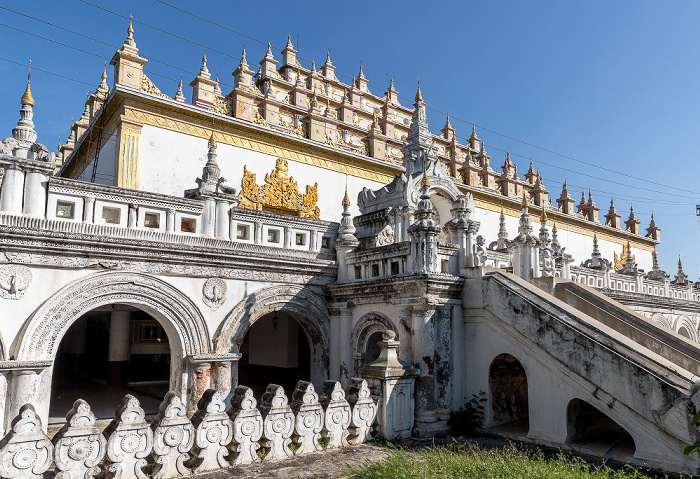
(280, 193)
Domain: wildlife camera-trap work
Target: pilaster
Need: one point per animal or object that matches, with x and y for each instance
(128, 151)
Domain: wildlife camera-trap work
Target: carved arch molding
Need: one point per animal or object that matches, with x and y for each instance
(309, 309)
(177, 313)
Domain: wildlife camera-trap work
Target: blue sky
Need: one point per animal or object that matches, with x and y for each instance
(611, 84)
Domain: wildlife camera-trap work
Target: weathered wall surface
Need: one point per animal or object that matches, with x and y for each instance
(568, 355)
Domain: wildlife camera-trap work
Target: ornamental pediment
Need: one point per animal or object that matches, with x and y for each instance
(279, 194)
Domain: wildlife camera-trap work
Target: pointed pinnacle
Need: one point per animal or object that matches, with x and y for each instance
(419, 96)
(27, 98)
(212, 141)
(503, 216)
(346, 199)
(130, 30)
(425, 182)
(524, 203)
(543, 216)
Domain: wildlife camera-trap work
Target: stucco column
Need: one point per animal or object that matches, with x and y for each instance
(12, 190)
(459, 368)
(30, 384)
(423, 326)
(131, 219)
(468, 236)
(35, 194)
(3, 398)
(118, 356)
(223, 222)
(170, 220)
(345, 357)
(208, 217)
(89, 209)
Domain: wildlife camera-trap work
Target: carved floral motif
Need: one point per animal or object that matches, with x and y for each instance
(79, 445)
(309, 418)
(173, 437)
(278, 423)
(213, 433)
(279, 193)
(129, 441)
(247, 427)
(25, 452)
(148, 86)
(364, 411)
(337, 415)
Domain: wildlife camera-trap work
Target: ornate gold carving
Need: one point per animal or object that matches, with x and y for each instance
(279, 194)
(258, 118)
(299, 131)
(223, 107)
(362, 149)
(255, 89)
(284, 122)
(148, 86)
(620, 261)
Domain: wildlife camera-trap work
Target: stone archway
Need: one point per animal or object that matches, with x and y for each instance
(685, 327)
(310, 311)
(43, 331)
(662, 320)
(369, 326)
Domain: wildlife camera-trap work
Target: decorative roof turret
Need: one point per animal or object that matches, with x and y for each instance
(632, 222)
(22, 143)
(612, 218)
(289, 54)
(392, 96)
(539, 193)
(653, 230)
(103, 87)
(211, 183)
(242, 75)
(203, 87)
(565, 201)
(591, 210)
(328, 70)
(531, 176)
(483, 157)
(180, 96)
(555, 239)
(596, 261)
(448, 132)
(656, 273)
(203, 70)
(581, 206)
(128, 65)
(630, 266)
(24, 131)
(681, 278)
(544, 231)
(419, 151)
(362, 81)
(474, 140)
(346, 232)
(217, 87)
(268, 64)
(525, 235)
(502, 243)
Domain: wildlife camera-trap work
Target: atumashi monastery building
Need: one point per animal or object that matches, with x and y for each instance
(300, 228)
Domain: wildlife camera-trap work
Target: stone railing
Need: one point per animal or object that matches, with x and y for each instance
(215, 438)
(61, 204)
(634, 284)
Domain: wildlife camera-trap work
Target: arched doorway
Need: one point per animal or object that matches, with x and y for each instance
(366, 336)
(107, 353)
(275, 350)
(303, 305)
(42, 335)
(593, 431)
(509, 395)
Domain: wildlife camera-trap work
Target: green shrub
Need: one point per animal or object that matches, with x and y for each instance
(470, 417)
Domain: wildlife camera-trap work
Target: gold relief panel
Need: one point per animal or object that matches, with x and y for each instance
(279, 194)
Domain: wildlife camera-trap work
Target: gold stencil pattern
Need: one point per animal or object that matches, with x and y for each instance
(280, 193)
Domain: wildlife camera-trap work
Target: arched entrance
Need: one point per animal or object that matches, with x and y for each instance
(303, 306)
(595, 432)
(366, 336)
(509, 395)
(42, 335)
(274, 350)
(106, 353)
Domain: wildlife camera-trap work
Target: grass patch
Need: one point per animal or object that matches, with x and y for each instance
(465, 462)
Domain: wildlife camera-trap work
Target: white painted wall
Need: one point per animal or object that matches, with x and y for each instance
(171, 161)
